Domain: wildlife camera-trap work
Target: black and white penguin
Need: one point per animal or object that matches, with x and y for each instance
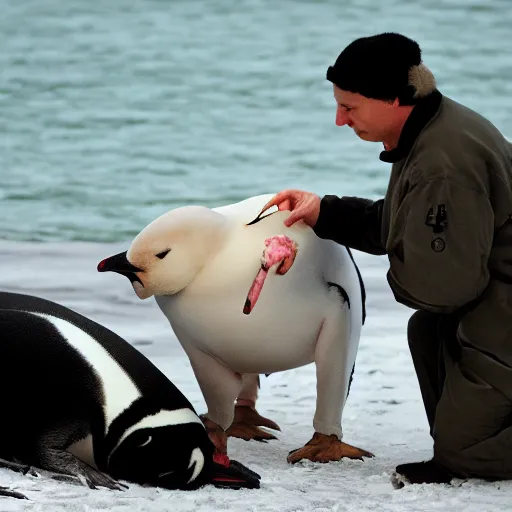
(78, 399)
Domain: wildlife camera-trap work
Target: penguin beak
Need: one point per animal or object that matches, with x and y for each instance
(119, 263)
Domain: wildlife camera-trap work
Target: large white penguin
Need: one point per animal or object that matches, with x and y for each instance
(246, 295)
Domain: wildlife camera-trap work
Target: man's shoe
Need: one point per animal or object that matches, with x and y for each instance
(429, 472)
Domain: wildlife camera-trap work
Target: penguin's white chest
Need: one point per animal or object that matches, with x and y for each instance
(265, 341)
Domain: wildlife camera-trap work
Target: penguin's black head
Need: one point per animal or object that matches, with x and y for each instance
(172, 457)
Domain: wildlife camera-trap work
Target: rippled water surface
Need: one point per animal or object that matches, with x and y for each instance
(113, 112)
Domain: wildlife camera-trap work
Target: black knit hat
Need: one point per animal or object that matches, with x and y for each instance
(385, 66)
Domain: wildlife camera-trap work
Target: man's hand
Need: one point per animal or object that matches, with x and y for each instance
(304, 206)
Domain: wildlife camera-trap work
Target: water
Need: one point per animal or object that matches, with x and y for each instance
(111, 113)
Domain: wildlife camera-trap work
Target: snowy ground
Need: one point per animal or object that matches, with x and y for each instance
(384, 413)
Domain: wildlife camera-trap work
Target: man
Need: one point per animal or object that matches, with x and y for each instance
(445, 224)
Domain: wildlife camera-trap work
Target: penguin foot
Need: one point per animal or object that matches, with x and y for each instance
(324, 448)
(5, 491)
(249, 432)
(247, 422)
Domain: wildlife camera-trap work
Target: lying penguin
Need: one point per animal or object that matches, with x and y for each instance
(239, 314)
(78, 399)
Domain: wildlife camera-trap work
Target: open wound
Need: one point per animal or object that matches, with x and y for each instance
(279, 250)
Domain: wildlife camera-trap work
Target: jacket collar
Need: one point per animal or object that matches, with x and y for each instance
(420, 115)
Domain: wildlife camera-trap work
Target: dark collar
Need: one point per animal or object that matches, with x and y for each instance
(420, 115)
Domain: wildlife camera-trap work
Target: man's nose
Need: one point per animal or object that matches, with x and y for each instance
(341, 117)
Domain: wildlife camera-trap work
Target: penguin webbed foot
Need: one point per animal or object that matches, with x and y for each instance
(249, 432)
(67, 466)
(8, 493)
(247, 422)
(327, 448)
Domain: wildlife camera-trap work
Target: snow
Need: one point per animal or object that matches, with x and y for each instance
(384, 413)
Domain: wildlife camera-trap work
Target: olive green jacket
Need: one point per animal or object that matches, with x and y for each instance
(445, 222)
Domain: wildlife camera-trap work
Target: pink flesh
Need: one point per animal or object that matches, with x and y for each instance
(279, 249)
(255, 290)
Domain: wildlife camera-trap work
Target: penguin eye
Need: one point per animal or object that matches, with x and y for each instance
(149, 439)
(163, 254)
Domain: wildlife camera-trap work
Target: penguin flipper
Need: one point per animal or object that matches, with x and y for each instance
(63, 462)
(18, 467)
(5, 491)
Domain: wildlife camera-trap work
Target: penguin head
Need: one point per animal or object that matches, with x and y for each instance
(171, 457)
(167, 255)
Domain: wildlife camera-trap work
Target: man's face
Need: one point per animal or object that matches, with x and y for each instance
(370, 119)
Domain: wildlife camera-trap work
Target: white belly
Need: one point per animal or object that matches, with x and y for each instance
(281, 331)
(267, 340)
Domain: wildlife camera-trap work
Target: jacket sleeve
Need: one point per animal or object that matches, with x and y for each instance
(351, 221)
(443, 234)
